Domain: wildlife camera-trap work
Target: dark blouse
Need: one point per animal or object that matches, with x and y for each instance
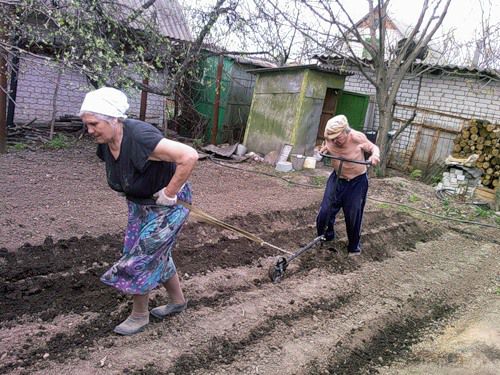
(132, 173)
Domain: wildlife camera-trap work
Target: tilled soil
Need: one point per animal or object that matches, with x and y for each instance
(330, 314)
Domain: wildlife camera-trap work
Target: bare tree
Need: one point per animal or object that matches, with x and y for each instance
(383, 64)
(482, 51)
(487, 40)
(268, 28)
(111, 43)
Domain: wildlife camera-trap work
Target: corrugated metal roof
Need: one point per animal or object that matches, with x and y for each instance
(320, 68)
(166, 14)
(248, 60)
(430, 68)
(451, 68)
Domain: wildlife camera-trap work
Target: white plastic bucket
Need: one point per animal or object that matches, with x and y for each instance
(241, 150)
(310, 162)
(284, 166)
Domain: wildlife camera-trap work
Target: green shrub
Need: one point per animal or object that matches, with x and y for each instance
(484, 212)
(19, 146)
(59, 142)
(416, 174)
(378, 171)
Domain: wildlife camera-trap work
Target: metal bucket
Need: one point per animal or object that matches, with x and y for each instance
(297, 161)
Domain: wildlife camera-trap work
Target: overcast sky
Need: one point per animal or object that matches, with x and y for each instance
(464, 16)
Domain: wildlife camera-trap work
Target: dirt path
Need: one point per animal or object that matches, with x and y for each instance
(423, 297)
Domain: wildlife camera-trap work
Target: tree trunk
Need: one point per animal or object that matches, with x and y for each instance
(54, 102)
(385, 125)
(383, 140)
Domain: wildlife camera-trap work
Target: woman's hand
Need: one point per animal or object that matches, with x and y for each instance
(164, 200)
(183, 156)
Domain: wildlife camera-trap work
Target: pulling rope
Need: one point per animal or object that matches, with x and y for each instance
(212, 220)
(442, 217)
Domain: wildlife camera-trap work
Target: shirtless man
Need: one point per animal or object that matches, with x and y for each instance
(352, 185)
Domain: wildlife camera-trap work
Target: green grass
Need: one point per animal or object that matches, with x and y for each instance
(378, 171)
(416, 174)
(484, 212)
(436, 180)
(197, 142)
(58, 142)
(319, 180)
(446, 203)
(406, 210)
(414, 198)
(384, 206)
(19, 146)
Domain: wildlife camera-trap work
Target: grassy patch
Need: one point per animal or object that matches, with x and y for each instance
(414, 198)
(416, 174)
(19, 146)
(59, 142)
(384, 206)
(404, 209)
(319, 180)
(484, 212)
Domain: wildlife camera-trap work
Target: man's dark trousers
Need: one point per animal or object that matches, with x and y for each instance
(351, 197)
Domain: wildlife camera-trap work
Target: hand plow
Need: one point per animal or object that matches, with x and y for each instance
(277, 272)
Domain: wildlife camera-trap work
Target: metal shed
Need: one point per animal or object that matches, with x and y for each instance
(291, 106)
(235, 95)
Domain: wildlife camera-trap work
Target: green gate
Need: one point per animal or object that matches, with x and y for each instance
(354, 107)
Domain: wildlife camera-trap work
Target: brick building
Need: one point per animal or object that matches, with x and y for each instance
(444, 99)
(38, 75)
(37, 79)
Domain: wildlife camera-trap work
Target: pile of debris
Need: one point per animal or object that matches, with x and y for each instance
(461, 177)
(39, 132)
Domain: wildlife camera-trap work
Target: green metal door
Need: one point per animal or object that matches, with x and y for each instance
(204, 102)
(354, 107)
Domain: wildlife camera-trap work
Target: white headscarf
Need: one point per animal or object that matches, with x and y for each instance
(106, 101)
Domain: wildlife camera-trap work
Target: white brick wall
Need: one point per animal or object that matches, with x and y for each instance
(465, 97)
(35, 90)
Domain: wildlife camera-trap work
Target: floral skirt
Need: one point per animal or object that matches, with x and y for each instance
(147, 252)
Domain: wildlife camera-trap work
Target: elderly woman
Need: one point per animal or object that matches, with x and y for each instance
(151, 172)
(347, 191)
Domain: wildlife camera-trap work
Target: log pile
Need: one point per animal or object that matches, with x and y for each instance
(38, 132)
(483, 139)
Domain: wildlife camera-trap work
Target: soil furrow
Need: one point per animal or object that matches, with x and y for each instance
(381, 242)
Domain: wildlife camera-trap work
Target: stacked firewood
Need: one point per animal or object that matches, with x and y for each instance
(39, 132)
(483, 139)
